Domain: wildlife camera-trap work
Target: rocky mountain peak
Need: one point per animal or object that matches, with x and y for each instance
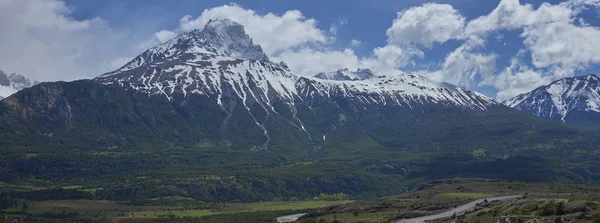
(229, 38)
(219, 38)
(561, 98)
(11, 83)
(346, 75)
(4, 79)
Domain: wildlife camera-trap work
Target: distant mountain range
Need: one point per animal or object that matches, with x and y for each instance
(574, 100)
(216, 86)
(222, 89)
(212, 103)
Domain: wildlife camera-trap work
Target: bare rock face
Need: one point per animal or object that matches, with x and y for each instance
(4, 79)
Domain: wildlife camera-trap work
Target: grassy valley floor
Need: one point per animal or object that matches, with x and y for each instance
(542, 202)
(110, 211)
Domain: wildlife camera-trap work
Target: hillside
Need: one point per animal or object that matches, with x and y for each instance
(574, 100)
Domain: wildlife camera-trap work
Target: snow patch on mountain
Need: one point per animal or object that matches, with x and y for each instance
(400, 89)
(561, 97)
(6, 91)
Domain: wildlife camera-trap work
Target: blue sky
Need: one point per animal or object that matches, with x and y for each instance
(500, 58)
(365, 20)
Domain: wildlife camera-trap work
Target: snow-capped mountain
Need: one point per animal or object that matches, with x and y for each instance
(221, 59)
(566, 99)
(346, 74)
(401, 89)
(10, 84)
(215, 88)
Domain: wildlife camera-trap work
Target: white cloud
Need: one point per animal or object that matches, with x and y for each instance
(273, 32)
(510, 14)
(559, 43)
(308, 61)
(165, 35)
(514, 80)
(414, 27)
(394, 57)
(425, 25)
(43, 42)
(355, 43)
(462, 67)
(565, 45)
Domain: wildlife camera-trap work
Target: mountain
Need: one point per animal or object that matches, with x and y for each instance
(574, 100)
(207, 115)
(220, 64)
(221, 58)
(9, 84)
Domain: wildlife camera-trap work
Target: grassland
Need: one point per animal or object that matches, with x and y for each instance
(112, 211)
(242, 207)
(544, 202)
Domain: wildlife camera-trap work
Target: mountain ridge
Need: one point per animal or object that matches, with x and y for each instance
(185, 113)
(196, 68)
(567, 100)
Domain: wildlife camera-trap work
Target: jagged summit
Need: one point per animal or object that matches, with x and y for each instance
(11, 83)
(346, 75)
(219, 38)
(561, 98)
(228, 38)
(221, 61)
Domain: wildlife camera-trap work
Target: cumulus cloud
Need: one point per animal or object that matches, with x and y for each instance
(511, 14)
(563, 45)
(559, 43)
(414, 27)
(308, 61)
(40, 40)
(425, 25)
(462, 66)
(384, 60)
(515, 79)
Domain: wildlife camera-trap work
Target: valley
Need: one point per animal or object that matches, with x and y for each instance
(542, 202)
(204, 127)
